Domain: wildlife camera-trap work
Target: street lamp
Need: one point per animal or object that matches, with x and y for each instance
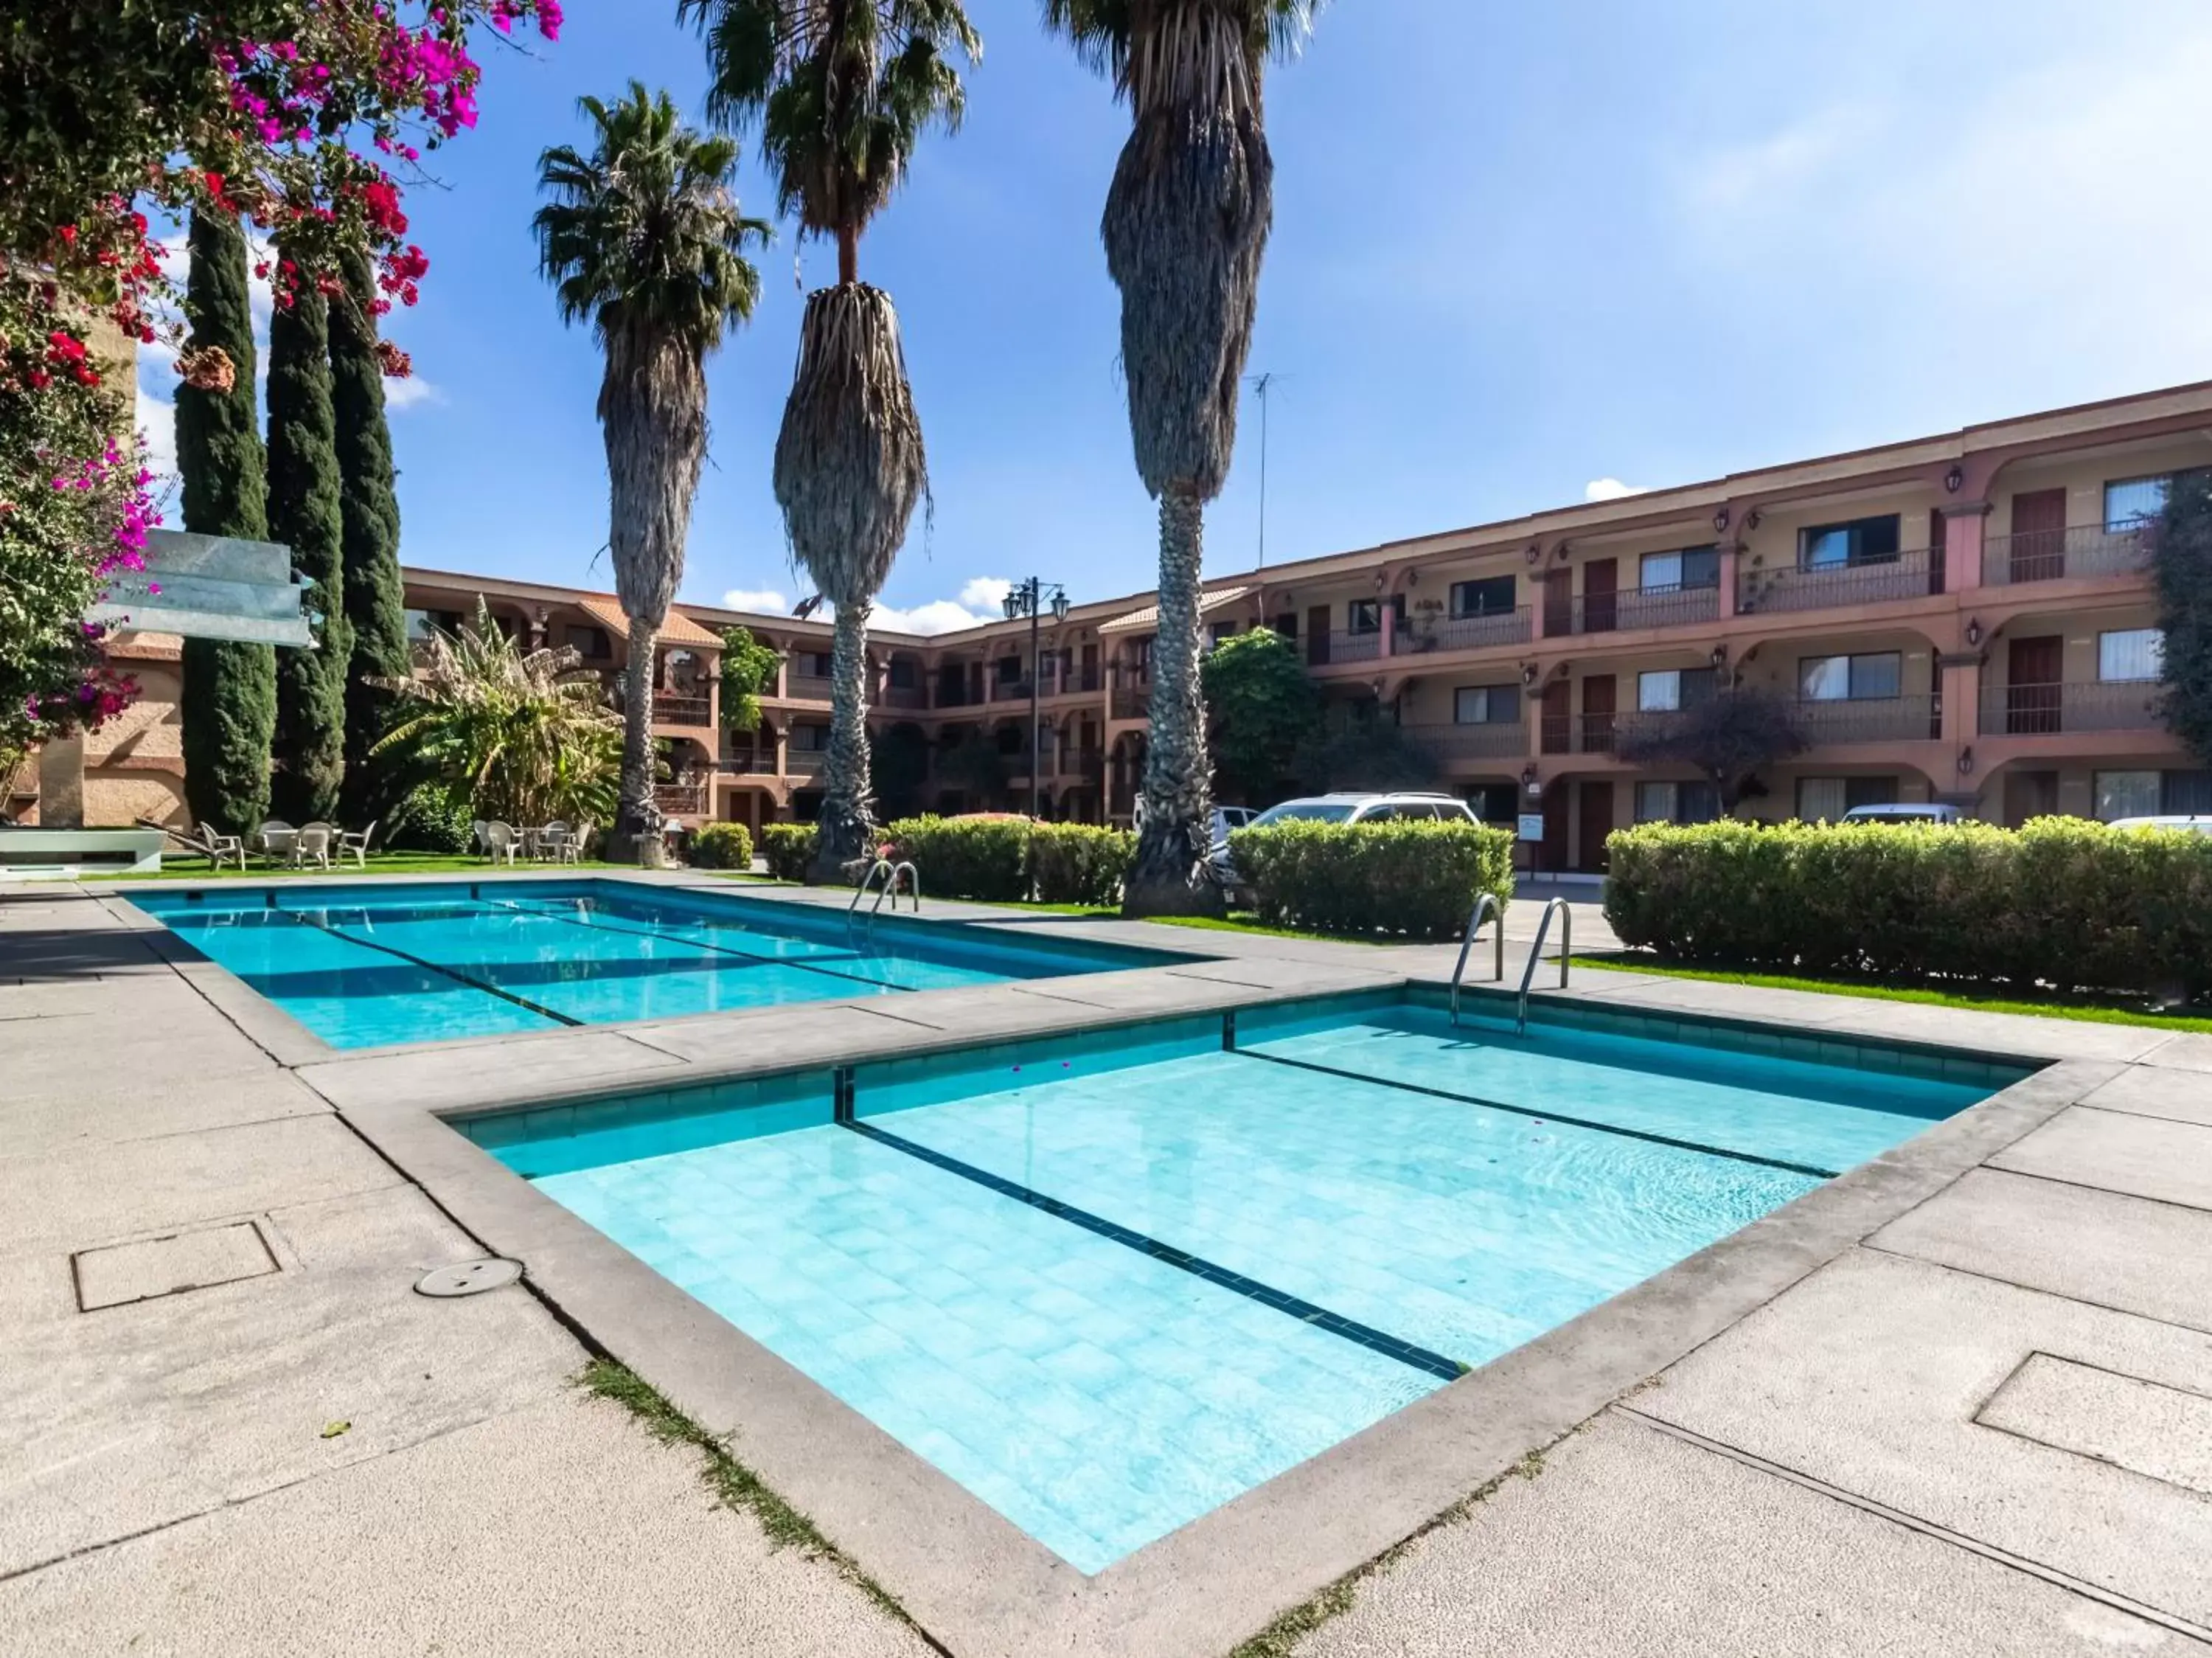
(1032, 599)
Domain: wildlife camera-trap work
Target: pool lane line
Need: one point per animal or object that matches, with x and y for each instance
(436, 967)
(697, 943)
(1546, 1116)
(1378, 1341)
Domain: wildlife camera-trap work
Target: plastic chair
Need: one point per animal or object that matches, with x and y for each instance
(477, 840)
(357, 844)
(278, 839)
(574, 842)
(501, 842)
(312, 845)
(551, 842)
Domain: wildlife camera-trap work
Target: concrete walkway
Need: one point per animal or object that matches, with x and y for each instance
(1986, 1428)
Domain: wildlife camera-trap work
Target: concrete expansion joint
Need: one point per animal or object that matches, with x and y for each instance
(2075, 1296)
(2057, 1579)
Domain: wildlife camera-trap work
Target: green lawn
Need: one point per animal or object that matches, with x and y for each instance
(185, 866)
(2053, 1005)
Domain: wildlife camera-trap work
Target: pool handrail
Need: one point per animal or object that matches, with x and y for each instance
(912, 877)
(1484, 903)
(880, 867)
(1559, 907)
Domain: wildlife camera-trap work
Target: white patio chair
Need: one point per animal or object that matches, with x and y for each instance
(574, 842)
(501, 842)
(312, 844)
(476, 841)
(550, 842)
(278, 840)
(349, 842)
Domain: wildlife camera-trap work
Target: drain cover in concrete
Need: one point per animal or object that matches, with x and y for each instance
(120, 1273)
(470, 1278)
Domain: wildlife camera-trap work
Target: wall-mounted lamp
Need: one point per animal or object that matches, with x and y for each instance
(1535, 553)
(1973, 633)
(1527, 674)
(1532, 782)
(1721, 521)
(1954, 480)
(1751, 520)
(1412, 578)
(1720, 656)
(1966, 762)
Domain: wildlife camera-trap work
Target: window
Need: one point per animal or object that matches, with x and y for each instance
(1365, 615)
(906, 673)
(812, 664)
(1691, 567)
(1286, 626)
(1009, 669)
(1492, 597)
(810, 739)
(588, 641)
(2129, 501)
(2136, 652)
(421, 623)
(1824, 799)
(2127, 795)
(1661, 690)
(1494, 802)
(1486, 704)
(2186, 794)
(1850, 678)
(1677, 802)
(1220, 630)
(1861, 541)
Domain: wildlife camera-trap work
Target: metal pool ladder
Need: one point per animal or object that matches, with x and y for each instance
(1558, 906)
(1485, 904)
(891, 873)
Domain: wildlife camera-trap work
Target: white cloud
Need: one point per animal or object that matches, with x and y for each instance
(410, 392)
(1610, 489)
(939, 616)
(158, 420)
(986, 593)
(761, 602)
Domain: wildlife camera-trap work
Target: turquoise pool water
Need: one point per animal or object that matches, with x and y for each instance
(365, 966)
(1110, 1282)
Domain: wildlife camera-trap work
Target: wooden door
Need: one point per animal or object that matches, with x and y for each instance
(1557, 730)
(1597, 804)
(1558, 602)
(2039, 535)
(2033, 691)
(1598, 707)
(1601, 595)
(1317, 635)
(1555, 826)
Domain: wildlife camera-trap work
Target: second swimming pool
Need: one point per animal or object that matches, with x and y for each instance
(1108, 1283)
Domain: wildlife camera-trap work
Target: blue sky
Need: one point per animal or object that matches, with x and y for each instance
(1613, 240)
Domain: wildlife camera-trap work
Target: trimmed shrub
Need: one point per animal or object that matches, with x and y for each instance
(984, 858)
(1080, 862)
(2064, 902)
(429, 820)
(720, 846)
(1409, 878)
(788, 848)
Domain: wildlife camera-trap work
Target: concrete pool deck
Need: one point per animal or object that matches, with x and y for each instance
(1966, 1407)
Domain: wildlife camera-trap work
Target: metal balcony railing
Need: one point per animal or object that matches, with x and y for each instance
(2035, 710)
(804, 762)
(1584, 734)
(806, 688)
(1419, 636)
(752, 764)
(1763, 590)
(681, 798)
(1133, 702)
(1009, 691)
(1491, 740)
(2056, 555)
(905, 696)
(1827, 723)
(670, 709)
(1634, 608)
(1343, 647)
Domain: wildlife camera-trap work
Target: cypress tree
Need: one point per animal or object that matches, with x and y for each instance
(2183, 569)
(368, 511)
(303, 512)
(228, 707)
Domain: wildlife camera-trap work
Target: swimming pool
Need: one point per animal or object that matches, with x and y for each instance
(364, 965)
(1109, 1282)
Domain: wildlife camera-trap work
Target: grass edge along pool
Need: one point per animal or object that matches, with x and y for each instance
(1109, 1281)
(371, 964)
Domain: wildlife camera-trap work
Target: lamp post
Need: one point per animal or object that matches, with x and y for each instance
(1032, 599)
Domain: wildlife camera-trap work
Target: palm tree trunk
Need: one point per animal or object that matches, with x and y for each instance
(847, 814)
(635, 817)
(1167, 877)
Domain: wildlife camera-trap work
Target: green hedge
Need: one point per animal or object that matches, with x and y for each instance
(1080, 862)
(1411, 878)
(997, 859)
(2062, 902)
(720, 846)
(788, 848)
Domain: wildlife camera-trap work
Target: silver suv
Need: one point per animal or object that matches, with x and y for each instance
(1345, 807)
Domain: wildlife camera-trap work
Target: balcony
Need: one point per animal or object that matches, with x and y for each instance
(1637, 607)
(1419, 637)
(669, 707)
(1133, 702)
(1827, 587)
(905, 696)
(2038, 710)
(1499, 739)
(680, 799)
(1009, 691)
(1830, 721)
(1584, 734)
(806, 688)
(1323, 649)
(747, 764)
(2075, 554)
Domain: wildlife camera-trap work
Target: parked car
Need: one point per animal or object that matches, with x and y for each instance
(1905, 812)
(1227, 818)
(2194, 825)
(1345, 807)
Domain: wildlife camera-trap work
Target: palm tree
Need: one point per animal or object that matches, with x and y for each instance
(841, 92)
(1186, 223)
(526, 735)
(645, 238)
